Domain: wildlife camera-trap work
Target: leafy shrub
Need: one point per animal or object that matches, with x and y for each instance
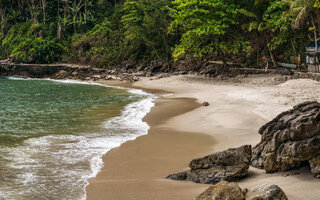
(17, 34)
(102, 46)
(25, 43)
(38, 50)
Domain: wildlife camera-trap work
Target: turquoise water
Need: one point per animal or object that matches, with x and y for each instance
(33, 108)
(53, 134)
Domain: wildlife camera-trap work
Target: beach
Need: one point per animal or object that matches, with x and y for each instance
(181, 130)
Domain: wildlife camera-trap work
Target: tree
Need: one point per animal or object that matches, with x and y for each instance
(277, 27)
(253, 10)
(44, 4)
(145, 24)
(302, 11)
(208, 27)
(75, 10)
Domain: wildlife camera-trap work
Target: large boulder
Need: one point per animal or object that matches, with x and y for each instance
(231, 191)
(290, 140)
(223, 190)
(229, 165)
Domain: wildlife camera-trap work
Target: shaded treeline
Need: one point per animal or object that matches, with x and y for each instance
(107, 33)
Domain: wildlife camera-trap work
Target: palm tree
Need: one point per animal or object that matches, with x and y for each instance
(44, 5)
(34, 12)
(75, 10)
(254, 20)
(302, 10)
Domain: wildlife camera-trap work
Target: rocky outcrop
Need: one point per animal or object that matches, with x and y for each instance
(231, 191)
(290, 140)
(64, 71)
(223, 190)
(129, 71)
(229, 165)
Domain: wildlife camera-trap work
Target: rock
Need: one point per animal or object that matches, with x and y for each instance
(222, 191)
(149, 74)
(205, 104)
(289, 140)
(231, 191)
(75, 73)
(266, 192)
(97, 77)
(135, 78)
(62, 74)
(290, 173)
(229, 165)
(315, 166)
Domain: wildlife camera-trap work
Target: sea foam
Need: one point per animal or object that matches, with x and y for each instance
(60, 166)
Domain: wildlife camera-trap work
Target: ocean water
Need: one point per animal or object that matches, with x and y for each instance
(53, 134)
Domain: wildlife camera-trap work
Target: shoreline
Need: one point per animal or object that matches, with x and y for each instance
(137, 169)
(151, 174)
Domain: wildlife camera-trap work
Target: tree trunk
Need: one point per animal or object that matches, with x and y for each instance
(257, 47)
(44, 10)
(221, 69)
(315, 35)
(294, 47)
(33, 13)
(318, 19)
(59, 30)
(275, 64)
(166, 45)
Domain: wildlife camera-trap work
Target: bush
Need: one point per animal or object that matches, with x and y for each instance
(100, 47)
(38, 50)
(25, 43)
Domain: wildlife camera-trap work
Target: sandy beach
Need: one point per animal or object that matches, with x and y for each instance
(181, 130)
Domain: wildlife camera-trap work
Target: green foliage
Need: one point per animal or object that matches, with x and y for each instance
(17, 34)
(23, 46)
(145, 25)
(278, 23)
(141, 36)
(38, 50)
(105, 33)
(207, 27)
(103, 45)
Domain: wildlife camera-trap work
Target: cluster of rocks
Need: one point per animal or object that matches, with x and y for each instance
(128, 71)
(289, 141)
(68, 71)
(231, 191)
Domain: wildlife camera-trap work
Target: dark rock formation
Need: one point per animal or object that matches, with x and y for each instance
(229, 165)
(223, 190)
(63, 71)
(266, 192)
(290, 139)
(231, 191)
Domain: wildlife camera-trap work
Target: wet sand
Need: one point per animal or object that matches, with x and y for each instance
(137, 169)
(182, 130)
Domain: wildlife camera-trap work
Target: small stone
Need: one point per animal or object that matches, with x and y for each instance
(205, 104)
(291, 174)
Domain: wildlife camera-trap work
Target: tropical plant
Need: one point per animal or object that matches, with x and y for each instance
(208, 27)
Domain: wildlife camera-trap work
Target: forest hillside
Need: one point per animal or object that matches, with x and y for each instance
(106, 33)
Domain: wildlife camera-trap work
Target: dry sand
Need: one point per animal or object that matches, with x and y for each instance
(182, 130)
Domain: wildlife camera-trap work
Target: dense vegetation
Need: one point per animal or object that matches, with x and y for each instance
(107, 33)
